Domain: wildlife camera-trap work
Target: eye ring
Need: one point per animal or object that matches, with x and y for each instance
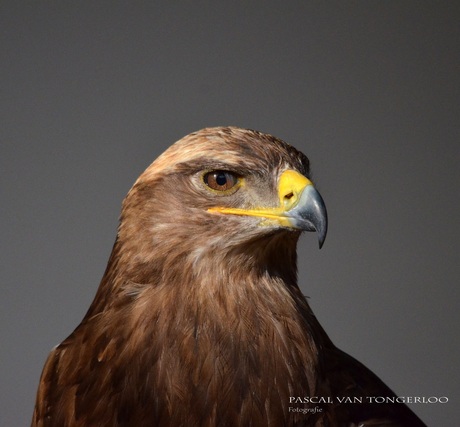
(221, 181)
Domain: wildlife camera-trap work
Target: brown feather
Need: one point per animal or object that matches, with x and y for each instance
(198, 320)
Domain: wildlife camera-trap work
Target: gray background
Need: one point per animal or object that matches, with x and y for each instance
(92, 92)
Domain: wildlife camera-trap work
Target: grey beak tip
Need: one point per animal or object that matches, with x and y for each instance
(322, 233)
(311, 213)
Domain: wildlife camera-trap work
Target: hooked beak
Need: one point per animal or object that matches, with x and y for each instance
(300, 206)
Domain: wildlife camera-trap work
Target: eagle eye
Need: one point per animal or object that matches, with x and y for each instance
(220, 180)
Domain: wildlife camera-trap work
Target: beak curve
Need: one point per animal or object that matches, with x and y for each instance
(310, 213)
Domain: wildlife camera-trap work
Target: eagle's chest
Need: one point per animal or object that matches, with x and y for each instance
(242, 367)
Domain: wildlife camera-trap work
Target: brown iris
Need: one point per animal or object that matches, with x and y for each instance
(220, 180)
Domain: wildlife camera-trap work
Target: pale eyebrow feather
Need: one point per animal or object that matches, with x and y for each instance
(208, 164)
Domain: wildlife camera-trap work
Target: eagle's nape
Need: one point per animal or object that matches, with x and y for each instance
(198, 320)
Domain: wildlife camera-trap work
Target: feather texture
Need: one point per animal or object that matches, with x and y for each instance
(198, 320)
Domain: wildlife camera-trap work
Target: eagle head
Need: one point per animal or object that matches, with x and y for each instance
(221, 191)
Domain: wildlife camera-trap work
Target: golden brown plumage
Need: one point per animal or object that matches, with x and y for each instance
(198, 320)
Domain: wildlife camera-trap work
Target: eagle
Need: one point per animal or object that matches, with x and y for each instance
(198, 320)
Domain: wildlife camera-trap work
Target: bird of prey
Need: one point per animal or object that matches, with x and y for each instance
(198, 320)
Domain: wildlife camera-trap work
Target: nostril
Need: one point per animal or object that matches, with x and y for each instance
(289, 195)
